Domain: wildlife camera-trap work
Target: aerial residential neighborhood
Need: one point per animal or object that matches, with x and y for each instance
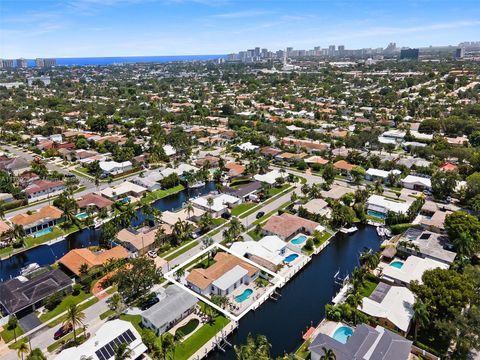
(317, 203)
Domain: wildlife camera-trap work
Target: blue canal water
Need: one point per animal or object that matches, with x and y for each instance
(304, 297)
(47, 254)
(82, 61)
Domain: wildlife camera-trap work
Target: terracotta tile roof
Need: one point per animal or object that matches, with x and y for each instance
(47, 212)
(234, 169)
(93, 199)
(74, 259)
(316, 160)
(41, 185)
(224, 262)
(448, 166)
(3, 227)
(286, 225)
(343, 165)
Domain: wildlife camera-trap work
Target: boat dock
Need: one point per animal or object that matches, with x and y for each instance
(219, 341)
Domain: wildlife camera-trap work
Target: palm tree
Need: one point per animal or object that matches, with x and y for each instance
(122, 352)
(210, 203)
(207, 241)
(116, 304)
(189, 209)
(179, 273)
(83, 269)
(369, 259)
(328, 354)
(74, 318)
(421, 316)
(22, 349)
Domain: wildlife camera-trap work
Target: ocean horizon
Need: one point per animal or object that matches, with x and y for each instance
(111, 60)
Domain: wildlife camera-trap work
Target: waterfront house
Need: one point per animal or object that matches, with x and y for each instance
(43, 189)
(244, 192)
(115, 168)
(392, 306)
(103, 342)
(93, 201)
(316, 206)
(268, 252)
(140, 241)
(43, 218)
(401, 272)
(366, 342)
(74, 259)
(123, 190)
(380, 206)
(221, 203)
(175, 305)
(227, 273)
(418, 183)
(286, 226)
(20, 295)
(234, 170)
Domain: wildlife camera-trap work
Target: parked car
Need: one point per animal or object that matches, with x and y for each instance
(149, 303)
(226, 215)
(152, 254)
(64, 330)
(260, 214)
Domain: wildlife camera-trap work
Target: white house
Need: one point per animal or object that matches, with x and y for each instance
(123, 190)
(101, 345)
(248, 146)
(380, 205)
(270, 177)
(169, 150)
(114, 167)
(269, 251)
(416, 183)
(220, 203)
(374, 174)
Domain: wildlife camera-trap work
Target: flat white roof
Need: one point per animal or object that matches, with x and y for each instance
(230, 277)
(396, 306)
(259, 249)
(412, 269)
(270, 177)
(382, 173)
(382, 204)
(219, 202)
(412, 179)
(121, 189)
(112, 165)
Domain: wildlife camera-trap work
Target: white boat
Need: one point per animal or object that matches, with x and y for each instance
(349, 230)
(30, 268)
(381, 231)
(198, 184)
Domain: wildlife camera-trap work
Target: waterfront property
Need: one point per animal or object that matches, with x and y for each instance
(380, 206)
(175, 304)
(103, 342)
(221, 203)
(403, 272)
(225, 275)
(42, 219)
(124, 190)
(74, 259)
(392, 306)
(365, 342)
(21, 296)
(140, 241)
(93, 201)
(286, 226)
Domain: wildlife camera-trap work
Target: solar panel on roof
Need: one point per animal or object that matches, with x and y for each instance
(100, 355)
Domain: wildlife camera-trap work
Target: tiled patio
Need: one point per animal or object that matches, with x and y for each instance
(239, 307)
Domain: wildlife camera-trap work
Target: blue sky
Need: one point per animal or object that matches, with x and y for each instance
(76, 28)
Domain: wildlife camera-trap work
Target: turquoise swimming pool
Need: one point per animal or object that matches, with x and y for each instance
(342, 334)
(43, 232)
(376, 214)
(397, 264)
(81, 216)
(300, 239)
(244, 296)
(290, 258)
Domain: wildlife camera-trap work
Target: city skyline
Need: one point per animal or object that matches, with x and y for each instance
(93, 28)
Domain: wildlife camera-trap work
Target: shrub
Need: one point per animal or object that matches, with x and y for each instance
(76, 289)
(400, 228)
(53, 301)
(309, 245)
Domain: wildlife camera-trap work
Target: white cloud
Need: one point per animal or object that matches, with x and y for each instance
(242, 14)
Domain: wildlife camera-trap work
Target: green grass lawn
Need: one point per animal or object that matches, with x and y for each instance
(302, 351)
(240, 208)
(9, 335)
(276, 190)
(136, 321)
(181, 251)
(200, 337)
(218, 221)
(367, 288)
(80, 338)
(82, 307)
(106, 314)
(325, 236)
(254, 235)
(158, 194)
(64, 305)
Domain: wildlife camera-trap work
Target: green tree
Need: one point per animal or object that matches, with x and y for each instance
(329, 174)
(123, 352)
(22, 349)
(12, 324)
(36, 354)
(444, 183)
(256, 348)
(421, 316)
(358, 174)
(74, 318)
(464, 231)
(328, 354)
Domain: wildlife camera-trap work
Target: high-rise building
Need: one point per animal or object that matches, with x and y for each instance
(22, 63)
(460, 53)
(289, 50)
(7, 64)
(39, 63)
(341, 50)
(409, 54)
(331, 50)
(49, 62)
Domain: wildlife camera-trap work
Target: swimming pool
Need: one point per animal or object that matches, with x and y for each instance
(81, 216)
(376, 214)
(397, 264)
(300, 239)
(243, 296)
(43, 232)
(290, 258)
(342, 334)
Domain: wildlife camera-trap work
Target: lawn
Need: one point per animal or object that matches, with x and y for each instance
(136, 321)
(158, 194)
(64, 305)
(199, 338)
(276, 190)
(80, 338)
(325, 236)
(173, 255)
(218, 221)
(367, 288)
(82, 307)
(254, 235)
(303, 351)
(106, 314)
(240, 208)
(9, 335)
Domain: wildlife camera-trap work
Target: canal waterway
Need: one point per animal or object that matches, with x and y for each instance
(47, 254)
(304, 297)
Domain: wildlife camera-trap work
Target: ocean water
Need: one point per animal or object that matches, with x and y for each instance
(128, 59)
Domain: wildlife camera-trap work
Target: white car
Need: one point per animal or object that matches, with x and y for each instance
(152, 253)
